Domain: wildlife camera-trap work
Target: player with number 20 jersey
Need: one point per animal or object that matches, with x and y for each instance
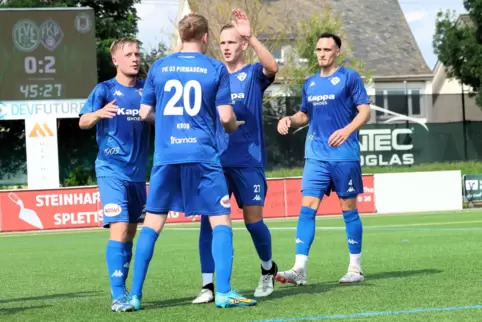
(188, 95)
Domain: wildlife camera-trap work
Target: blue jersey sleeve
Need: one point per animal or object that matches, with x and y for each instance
(264, 81)
(223, 96)
(304, 99)
(148, 92)
(96, 100)
(357, 89)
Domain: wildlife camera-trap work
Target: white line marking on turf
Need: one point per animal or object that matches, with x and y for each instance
(283, 219)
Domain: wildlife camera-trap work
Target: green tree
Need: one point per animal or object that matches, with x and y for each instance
(296, 72)
(457, 47)
(148, 57)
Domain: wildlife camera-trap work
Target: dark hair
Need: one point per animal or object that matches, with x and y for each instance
(336, 38)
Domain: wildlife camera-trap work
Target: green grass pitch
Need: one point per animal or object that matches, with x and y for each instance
(418, 267)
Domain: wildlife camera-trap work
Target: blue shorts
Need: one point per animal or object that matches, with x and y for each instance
(322, 177)
(248, 185)
(122, 201)
(192, 188)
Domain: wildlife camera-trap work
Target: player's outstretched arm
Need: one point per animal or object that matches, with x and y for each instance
(228, 118)
(297, 120)
(242, 25)
(147, 113)
(89, 120)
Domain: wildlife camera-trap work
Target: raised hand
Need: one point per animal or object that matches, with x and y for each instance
(241, 23)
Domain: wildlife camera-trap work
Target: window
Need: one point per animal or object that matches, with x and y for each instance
(398, 101)
(277, 54)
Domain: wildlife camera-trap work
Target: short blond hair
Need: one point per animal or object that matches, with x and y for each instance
(193, 27)
(229, 25)
(120, 43)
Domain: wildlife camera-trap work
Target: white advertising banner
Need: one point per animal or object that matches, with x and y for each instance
(42, 153)
(418, 191)
(23, 110)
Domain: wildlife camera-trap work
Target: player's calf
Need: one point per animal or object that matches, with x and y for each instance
(118, 256)
(222, 250)
(354, 234)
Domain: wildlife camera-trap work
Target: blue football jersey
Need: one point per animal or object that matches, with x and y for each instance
(123, 140)
(331, 104)
(185, 90)
(246, 145)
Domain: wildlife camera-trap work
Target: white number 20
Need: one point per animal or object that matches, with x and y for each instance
(183, 92)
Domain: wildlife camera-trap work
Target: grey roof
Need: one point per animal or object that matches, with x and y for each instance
(376, 30)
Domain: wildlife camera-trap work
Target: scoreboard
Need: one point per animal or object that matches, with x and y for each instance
(47, 53)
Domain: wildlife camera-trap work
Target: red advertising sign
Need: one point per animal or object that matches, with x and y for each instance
(23, 210)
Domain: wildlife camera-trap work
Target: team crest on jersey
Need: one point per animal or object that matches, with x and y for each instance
(242, 76)
(335, 80)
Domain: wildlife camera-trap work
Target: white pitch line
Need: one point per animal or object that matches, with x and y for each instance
(283, 219)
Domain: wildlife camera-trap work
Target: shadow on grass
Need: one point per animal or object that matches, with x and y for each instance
(288, 290)
(15, 310)
(52, 297)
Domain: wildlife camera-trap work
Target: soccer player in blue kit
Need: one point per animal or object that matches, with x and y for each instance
(189, 94)
(113, 108)
(244, 159)
(335, 105)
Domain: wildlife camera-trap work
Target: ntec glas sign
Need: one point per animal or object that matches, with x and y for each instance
(389, 146)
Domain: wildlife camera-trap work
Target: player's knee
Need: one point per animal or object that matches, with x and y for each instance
(119, 231)
(310, 202)
(224, 220)
(131, 232)
(348, 203)
(307, 213)
(155, 221)
(350, 215)
(252, 214)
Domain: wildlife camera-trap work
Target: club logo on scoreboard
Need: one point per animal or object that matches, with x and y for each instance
(26, 35)
(83, 23)
(50, 34)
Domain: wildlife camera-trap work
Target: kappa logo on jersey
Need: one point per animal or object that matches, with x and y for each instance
(312, 84)
(132, 114)
(320, 99)
(225, 202)
(139, 91)
(237, 95)
(112, 210)
(242, 76)
(118, 93)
